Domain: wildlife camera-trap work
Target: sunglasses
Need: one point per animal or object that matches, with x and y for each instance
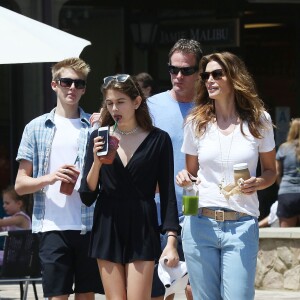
(67, 83)
(119, 78)
(216, 75)
(186, 71)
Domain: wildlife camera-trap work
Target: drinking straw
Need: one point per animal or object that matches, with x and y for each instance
(77, 158)
(115, 126)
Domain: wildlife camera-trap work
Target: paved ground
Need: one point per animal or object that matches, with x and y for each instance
(12, 292)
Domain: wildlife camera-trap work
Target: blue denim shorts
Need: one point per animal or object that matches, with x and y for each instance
(288, 205)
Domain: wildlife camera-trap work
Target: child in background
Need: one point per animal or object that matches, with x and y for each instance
(15, 207)
(272, 219)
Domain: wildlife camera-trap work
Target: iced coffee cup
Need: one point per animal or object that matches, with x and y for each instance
(113, 145)
(68, 187)
(241, 171)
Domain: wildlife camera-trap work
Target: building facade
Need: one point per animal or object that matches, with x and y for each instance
(131, 37)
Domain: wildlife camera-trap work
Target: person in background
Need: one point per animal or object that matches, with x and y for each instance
(125, 235)
(266, 198)
(51, 145)
(272, 219)
(168, 110)
(288, 177)
(229, 125)
(146, 83)
(16, 208)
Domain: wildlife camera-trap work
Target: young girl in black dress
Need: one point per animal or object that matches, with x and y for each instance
(125, 236)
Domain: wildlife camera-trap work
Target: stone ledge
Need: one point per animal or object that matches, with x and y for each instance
(278, 261)
(280, 233)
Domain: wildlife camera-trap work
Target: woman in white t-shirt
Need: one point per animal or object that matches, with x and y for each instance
(228, 125)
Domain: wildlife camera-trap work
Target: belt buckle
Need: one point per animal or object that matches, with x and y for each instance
(219, 215)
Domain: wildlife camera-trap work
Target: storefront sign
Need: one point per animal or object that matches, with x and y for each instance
(216, 34)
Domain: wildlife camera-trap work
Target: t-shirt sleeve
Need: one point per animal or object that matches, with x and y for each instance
(189, 145)
(267, 143)
(280, 153)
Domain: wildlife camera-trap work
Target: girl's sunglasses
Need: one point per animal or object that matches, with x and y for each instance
(216, 75)
(119, 78)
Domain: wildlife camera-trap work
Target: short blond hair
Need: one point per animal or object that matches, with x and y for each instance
(75, 63)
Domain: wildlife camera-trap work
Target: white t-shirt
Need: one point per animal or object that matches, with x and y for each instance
(63, 212)
(214, 166)
(273, 220)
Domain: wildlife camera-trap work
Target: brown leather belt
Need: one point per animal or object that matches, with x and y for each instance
(221, 215)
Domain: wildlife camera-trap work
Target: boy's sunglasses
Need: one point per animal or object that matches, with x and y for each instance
(67, 82)
(186, 71)
(216, 75)
(119, 78)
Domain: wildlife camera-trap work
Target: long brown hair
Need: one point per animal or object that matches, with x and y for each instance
(131, 88)
(249, 106)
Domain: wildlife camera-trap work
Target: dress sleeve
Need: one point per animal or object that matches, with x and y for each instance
(87, 196)
(168, 203)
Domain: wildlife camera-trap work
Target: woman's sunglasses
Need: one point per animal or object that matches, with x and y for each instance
(216, 75)
(119, 78)
(67, 83)
(186, 71)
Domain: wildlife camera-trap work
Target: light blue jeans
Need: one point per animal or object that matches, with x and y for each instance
(221, 257)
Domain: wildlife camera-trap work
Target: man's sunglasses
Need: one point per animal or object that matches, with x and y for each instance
(216, 75)
(67, 83)
(186, 71)
(119, 78)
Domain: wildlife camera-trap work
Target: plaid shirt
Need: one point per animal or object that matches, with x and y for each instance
(36, 145)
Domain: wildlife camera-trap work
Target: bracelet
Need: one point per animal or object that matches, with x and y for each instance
(175, 236)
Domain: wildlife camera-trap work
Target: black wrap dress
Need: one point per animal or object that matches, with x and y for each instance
(125, 226)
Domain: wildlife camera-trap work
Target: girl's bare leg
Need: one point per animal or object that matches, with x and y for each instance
(113, 279)
(139, 280)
